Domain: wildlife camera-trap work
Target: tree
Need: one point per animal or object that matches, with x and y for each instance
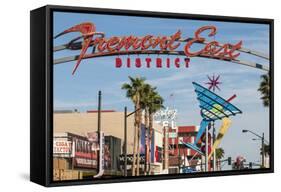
(155, 104)
(148, 90)
(219, 156)
(264, 89)
(144, 97)
(134, 90)
(266, 149)
(151, 101)
(145, 100)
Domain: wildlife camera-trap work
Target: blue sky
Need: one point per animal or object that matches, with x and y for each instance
(80, 90)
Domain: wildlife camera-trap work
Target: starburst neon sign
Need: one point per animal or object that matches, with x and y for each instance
(213, 82)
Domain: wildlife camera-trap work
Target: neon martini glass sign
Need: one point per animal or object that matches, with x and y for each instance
(146, 44)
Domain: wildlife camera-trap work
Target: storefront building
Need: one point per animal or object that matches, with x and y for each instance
(76, 146)
(180, 156)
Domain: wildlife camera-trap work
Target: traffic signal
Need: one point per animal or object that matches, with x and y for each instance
(250, 165)
(229, 160)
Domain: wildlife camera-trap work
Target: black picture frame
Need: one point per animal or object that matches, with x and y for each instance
(41, 107)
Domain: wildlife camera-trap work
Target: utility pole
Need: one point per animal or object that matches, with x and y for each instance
(125, 141)
(99, 112)
(263, 152)
(99, 123)
(166, 150)
(149, 149)
(206, 149)
(179, 156)
(214, 139)
(125, 136)
(100, 139)
(262, 145)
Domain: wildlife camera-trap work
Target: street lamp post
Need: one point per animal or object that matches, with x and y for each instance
(214, 140)
(262, 148)
(125, 136)
(100, 139)
(262, 144)
(125, 141)
(206, 149)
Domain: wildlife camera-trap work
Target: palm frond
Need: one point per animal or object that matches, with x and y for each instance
(264, 89)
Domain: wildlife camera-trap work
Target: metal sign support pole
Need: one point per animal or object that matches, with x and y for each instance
(206, 148)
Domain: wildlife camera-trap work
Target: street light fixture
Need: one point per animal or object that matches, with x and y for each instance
(256, 139)
(262, 143)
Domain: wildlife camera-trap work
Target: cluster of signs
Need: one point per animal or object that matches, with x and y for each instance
(85, 163)
(167, 118)
(62, 148)
(83, 150)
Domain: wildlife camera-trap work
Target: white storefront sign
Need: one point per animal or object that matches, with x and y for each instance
(166, 117)
(62, 148)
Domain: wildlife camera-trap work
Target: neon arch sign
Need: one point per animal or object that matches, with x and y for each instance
(150, 44)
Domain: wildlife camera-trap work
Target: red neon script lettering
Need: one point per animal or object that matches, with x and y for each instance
(211, 49)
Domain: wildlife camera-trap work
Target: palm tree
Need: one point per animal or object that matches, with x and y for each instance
(144, 97)
(267, 149)
(264, 89)
(219, 156)
(145, 100)
(147, 91)
(155, 104)
(134, 90)
(150, 102)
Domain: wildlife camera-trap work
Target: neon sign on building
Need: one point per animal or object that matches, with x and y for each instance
(149, 44)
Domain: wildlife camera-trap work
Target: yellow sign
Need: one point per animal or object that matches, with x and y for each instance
(226, 122)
